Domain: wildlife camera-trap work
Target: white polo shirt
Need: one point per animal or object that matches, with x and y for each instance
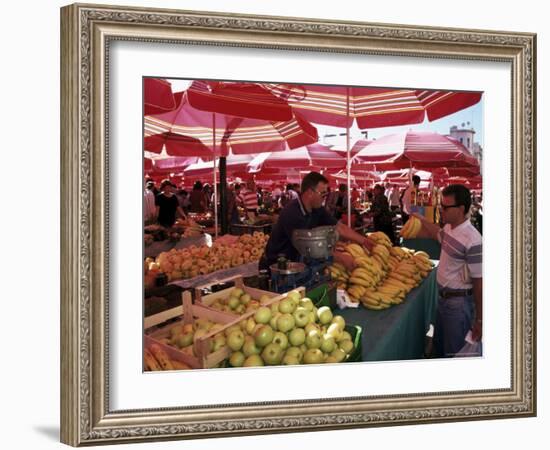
(461, 256)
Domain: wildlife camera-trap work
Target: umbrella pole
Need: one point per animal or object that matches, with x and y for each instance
(215, 184)
(223, 195)
(348, 156)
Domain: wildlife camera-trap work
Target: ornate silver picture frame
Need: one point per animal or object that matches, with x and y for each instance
(87, 32)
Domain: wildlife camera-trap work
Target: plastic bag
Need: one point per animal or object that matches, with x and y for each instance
(470, 348)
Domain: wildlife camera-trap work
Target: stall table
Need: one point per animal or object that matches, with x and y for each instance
(396, 333)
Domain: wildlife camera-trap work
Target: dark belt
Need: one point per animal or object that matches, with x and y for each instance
(455, 293)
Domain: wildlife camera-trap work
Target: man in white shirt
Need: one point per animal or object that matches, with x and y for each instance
(459, 273)
(409, 197)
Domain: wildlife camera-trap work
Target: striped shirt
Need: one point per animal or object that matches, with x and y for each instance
(249, 199)
(461, 256)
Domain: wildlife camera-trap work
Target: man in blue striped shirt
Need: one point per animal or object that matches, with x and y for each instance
(459, 273)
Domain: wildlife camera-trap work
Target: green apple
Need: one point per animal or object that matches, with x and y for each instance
(295, 352)
(233, 303)
(263, 335)
(250, 347)
(245, 299)
(311, 326)
(235, 340)
(328, 344)
(334, 331)
(338, 354)
(262, 315)
(273, 321)
(264, 299)
(240, 309)
(346, 336)
(203, 323)
(306, 303)
(340, 321)
(184, 340)
(346, 345)
(281, 339)
(313, 339)
(312, 317)
(324, 314)
(236, 292)
(274, 308)
(253, 361)
(313, 356)
(331, 359)
(253, 304)
(289, 360)
(250, 324)
(237, 359)
(242, 325)
(232, 328)
(301, 317)
(297, 336)
(201, 332)
(285, 322)
(218, 342)
(303, 348)
(272, 354)
(294, 296)
(175, 331)
(287, 306)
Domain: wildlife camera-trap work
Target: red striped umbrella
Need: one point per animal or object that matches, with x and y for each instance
(234, 164)
(250, 100)
(418, 149)
(225, 132)
(371, 107)
(158, 97)
(315, 156)
(173, 164)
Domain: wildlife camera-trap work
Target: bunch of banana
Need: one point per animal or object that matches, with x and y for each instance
(411, 228)
(380, 238)
(423, 263)
(339, 273)
(355, 250)
(381, 254)
(375, 300)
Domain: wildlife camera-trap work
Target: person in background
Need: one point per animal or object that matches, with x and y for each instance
(408, 199)
(249, 199)
(149, 209)
(307, 212)
(167, 206)
(197, 199)
(381, 214)
(183, 199)
(354, 195)
(232, 209)
(341, 205)
(289, 195)
(208, 195)
(393, 198)
(459, 273)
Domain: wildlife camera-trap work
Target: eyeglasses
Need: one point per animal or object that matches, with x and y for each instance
(322, 194)
(446, 207)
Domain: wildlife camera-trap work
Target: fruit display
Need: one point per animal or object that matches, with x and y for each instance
(155, 358)
(188, 228)
(411, 228)
(236, 300)
(194, 261)
(288, 331)
(382, 277)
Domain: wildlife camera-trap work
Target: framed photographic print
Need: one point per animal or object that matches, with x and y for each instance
(131, 80)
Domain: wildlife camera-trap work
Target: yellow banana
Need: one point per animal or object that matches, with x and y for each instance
(421, 254)
(360, 282)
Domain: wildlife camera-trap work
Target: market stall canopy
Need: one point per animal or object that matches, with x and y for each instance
(173, 164)
(312, 157)
(158, 97)
(235, 164)
(223, 133)
(249, 100)
(418, 149)
(371, 107)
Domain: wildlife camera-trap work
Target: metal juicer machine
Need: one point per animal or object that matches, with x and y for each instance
(315, 247)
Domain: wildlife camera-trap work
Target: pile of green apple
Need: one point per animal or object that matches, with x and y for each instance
(238, 302)
(182, 336)
(291, 331)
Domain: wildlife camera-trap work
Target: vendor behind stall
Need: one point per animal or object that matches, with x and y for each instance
(307, 212)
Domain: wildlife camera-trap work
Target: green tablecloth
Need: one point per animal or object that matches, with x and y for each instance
(398, 332)
(430, 246)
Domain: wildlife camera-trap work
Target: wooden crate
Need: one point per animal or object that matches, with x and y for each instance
(208, 300)
(199, 358)
(203, 343)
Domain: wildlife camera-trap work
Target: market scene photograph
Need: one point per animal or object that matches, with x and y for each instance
(288, 224)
